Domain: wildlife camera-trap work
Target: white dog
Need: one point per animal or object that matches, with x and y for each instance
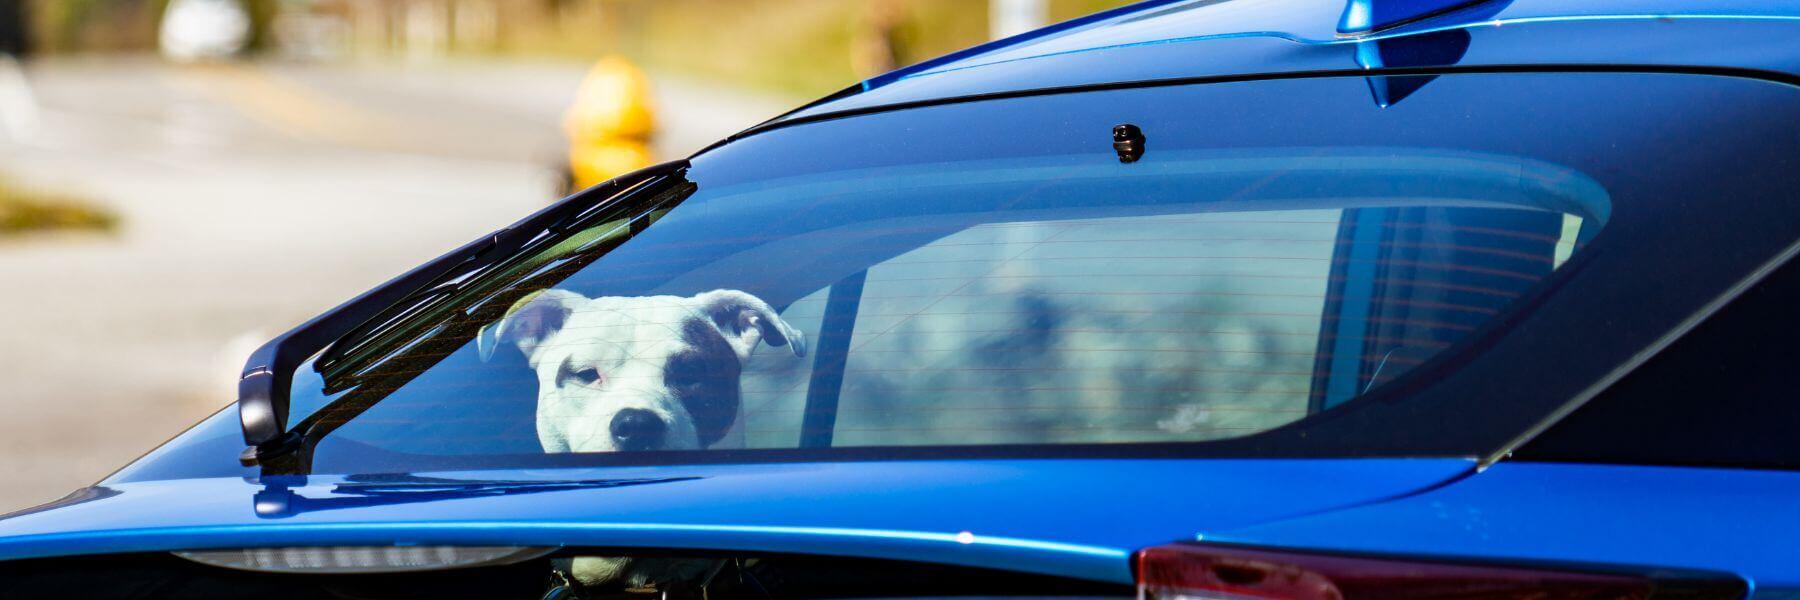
(643, 373)
(637, 373)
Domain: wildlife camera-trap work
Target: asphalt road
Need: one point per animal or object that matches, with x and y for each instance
(253, 196)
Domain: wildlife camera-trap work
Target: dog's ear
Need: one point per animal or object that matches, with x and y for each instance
(746, 320)
(528, 322)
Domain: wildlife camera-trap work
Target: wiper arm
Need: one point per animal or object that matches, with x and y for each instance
(449, 283)
(268, 375)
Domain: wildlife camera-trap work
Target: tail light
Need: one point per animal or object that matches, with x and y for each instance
(1217, 572)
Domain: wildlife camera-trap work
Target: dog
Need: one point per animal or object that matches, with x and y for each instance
(620, 374)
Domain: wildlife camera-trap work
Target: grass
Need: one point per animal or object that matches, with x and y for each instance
(24, 212)
(803, 47)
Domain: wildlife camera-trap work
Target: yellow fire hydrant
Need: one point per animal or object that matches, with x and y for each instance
(610, 124)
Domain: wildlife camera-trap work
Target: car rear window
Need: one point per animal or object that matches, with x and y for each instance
(1043, 300)
(1291, 267)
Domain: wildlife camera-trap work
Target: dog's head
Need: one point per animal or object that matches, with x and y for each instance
(637, 373)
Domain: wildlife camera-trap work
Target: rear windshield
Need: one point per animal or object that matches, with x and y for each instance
(1040, 300)
(995, 274)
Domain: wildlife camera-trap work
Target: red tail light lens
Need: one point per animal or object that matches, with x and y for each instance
(1213, 572)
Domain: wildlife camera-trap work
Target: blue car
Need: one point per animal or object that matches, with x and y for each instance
(1189, 299)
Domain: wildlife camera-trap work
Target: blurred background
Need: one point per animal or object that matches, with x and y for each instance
(182, 179)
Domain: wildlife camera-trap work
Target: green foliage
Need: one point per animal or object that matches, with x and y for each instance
(1063, 10)
(262, 17)
(21, 212)
(94, 25)
(800, 46)
(806, 47)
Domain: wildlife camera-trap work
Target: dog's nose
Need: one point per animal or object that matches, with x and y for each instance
(637, 429)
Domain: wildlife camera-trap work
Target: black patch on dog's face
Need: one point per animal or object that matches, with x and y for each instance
(705, 378)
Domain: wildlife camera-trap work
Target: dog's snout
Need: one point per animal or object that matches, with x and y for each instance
(638, 429)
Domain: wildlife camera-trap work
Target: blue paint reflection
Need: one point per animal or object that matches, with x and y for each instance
(278, 498)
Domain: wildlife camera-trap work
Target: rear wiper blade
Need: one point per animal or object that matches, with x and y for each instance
(449, 283)
(267, 378)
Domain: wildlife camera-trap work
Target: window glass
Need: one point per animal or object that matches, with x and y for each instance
(1161, 328)
(1721, 396)
(1177, 327)
(1291, 268)
(1098, 306)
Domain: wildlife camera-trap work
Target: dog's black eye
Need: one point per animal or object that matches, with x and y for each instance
(684, 379)
(586, 376)
(685, 372)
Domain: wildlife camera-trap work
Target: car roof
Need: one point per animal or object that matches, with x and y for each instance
(1165, 40)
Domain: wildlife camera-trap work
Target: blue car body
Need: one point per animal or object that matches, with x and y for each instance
(1081, 517)
(894, 510)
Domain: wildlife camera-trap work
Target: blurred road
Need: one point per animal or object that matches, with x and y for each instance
(253, 196)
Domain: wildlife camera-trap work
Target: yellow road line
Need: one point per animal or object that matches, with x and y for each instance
(294, 109)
